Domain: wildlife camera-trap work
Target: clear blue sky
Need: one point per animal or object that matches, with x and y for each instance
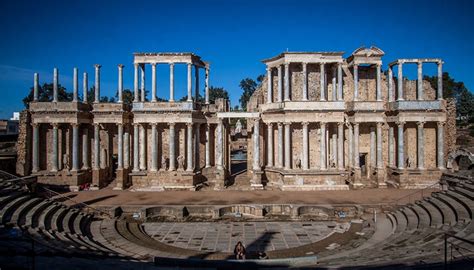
(233, 35)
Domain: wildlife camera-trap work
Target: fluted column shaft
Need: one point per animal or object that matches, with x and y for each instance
(269, 85)
(305, 161)
(189, 146)
(356, 146)
(401, 146)
(136, 146)
(322, 82)
(197, 138)
(75, 85)
(379, 82)
(280, 145)
(75, 147)
(96, 146)
(440, 81)
(305, 81)
(120, 83)
(55, 84)
(154, 149)
(340, 146)
(172, 147)
(208, 145)
(35, 148)
(35, 87)
(379, 146)
(391, 146)
(171, 82)
(190, 94)
(287, 146)
(356, 82)
(54, 156)
(270, 145)
(400, 81)
(256, 145)
(420, 95)
(421, 145)
(323, 146)
(85, 148)
(280, 85)
(339, 81)
(135, 83)
(119, 146)
(97, 83)
(287, 82)
(142, 81)
(153, 82)
(142, 147)
(440, 145)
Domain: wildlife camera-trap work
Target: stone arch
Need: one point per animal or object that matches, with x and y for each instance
(460, 159)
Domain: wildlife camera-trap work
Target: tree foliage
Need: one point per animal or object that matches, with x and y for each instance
(45, 93)
(248, 87)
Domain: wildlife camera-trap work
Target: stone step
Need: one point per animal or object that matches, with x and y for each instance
(423, 216)
(10, 207)
(23, 209)
(411, 217)
(401, 221)
(115, 238)
(449, 215)
(95, 230)
(44, 220)
(461, 211)
(4, 200)
(436, 216)
(57, 219)
(463, 199)
(65, 223)
(465, 192)
(35, 213)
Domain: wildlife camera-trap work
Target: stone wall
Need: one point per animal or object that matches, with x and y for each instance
(23, 146)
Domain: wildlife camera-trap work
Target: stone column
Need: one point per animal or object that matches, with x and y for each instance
(421, 145)
(55, 85)
(153, 82)
(305, 81)
(420, 81)
(400, 81)
(154, 149)
(84, 88)
(197, 138)
(126, 148)
(35, 147)
(333, 139)
(190, 94)
(334, 86)
(350, 154)
(75, 83)
(322, 148)
(35, 87)
(280, 145)
(135, 83)
(379, 146)
(120, 83)
(339, 82)
(172, 147)
(356, 82)
(75, 147)
(120, 146)
(356, 146)
(401, 146)
(143, 145)
(171, 82)
(269, 85)
(208, 145)
(136, 146)
(96, 146)
(440, 80)
(85, 148)
(97, 83)
(280, 85)
(189, 147)
(219, 145)
(440, 145)
(287, 146)
(390, 84)
(379, 81)
(270, 145)
(322, 82)
(287, 82)
(305, 161)
(196, 76)
(54, 156)
(142, 86)
(207, 86)
(256, 145)
(340, 145)
(373, 146)
(391, 146)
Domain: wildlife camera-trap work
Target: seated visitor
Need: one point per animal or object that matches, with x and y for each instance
(239, 251)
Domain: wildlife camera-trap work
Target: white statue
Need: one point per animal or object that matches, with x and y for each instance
(238, 127)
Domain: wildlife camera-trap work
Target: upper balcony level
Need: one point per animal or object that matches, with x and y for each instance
(59, 107)
(303, 106)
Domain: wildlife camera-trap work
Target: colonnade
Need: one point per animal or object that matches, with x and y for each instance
(378, 81)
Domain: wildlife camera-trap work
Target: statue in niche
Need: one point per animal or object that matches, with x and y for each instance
(66, 162)
(297, 161)
(238, 127)
(164, 163)
(180, 163)
(408, 162)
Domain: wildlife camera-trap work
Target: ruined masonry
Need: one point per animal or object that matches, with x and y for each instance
(317, 122)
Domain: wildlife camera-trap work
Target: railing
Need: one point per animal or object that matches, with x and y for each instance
(458, 251)
(414, 196)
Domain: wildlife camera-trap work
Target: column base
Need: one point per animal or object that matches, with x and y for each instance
(99, 178)
(122, 179)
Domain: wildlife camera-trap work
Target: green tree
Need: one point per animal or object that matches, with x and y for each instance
(248, 86)
(217, 92)
(45, 93)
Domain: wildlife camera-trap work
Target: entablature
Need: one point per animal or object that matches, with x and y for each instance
(303, 106)
(417, 105)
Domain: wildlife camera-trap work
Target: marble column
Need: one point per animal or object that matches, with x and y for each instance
(280, 145)
(220, 145)
(135, 83)
(379, 81)
(126, 148)
(142, 83)
(305, 81)
(390, 84)
(96, 146)
(440, 145)
(269, 85)
(75, 83)
(339, 82)
(189, 146)
(334, 84)
(196, 82)
(440, 81)
(75, 147)
(287, 146)
(356, 82)
(35, 87)
(120, 83)
(256, 145)
(270, 145)
(35, 148)
(85, 148)
(208, 145)
(373, 146)
(391, 146)
(197, 148)
(420, 81)
(207, 86)
(356, 146)
(334, 153)
(97, 83)
(350, 147)
(400, 81)
(55, 84)
(84, 88)
(153, 82)
(280, 85)
(143, 145)
(190, 94)
(136, 146)
(287, 82)
(154, 148)
(340, 145)
(322, 82)
(305, 161)
(421, 145)
(54, 156)
(401, 146)
(379, 146)
(172, 147)
(322, 148)
(119, 146)
(171, 82)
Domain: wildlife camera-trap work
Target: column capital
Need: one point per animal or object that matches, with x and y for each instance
(304, 64)
(120, 66)
(171, 124)
(269, 124)
(256, 120)
(356, 124)
(171, 64)
(269, 69)
(323, 123)
(153, 64)
(190, 64)
(419, 63)
(189, 124)
(136, 65)
(400, 123)
(340, 124)
(97, 66)
(287, 124)
(440, 123)
(355, 66)
(420, 123)
(96, 124)
(305, 123)
(286, 65)
(55, 125)
(280, 124)
(380, 124)
(74, 124)
(34, 124)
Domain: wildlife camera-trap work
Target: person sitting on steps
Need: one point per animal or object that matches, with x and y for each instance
(239, 251)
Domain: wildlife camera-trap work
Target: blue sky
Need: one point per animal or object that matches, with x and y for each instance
(234, 36)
